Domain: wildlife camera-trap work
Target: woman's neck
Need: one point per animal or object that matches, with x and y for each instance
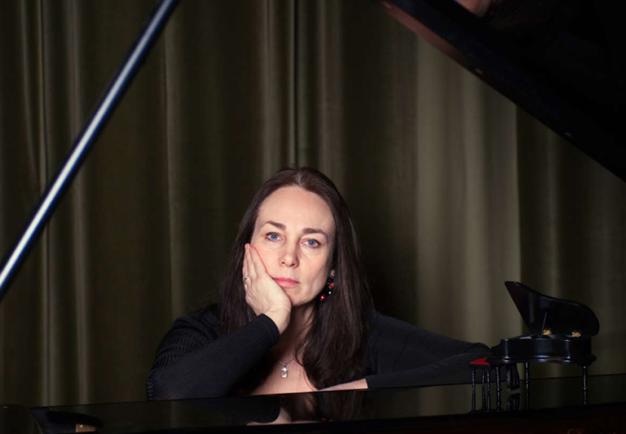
(287, 375)
(293, 335)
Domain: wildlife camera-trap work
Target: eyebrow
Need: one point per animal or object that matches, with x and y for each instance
(305, 230)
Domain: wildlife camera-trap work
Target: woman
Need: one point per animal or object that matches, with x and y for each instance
(296, 313)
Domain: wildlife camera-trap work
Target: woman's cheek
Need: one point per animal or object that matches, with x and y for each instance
(321, 281)
(263, 252)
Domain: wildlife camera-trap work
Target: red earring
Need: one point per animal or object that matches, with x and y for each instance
(330, 286)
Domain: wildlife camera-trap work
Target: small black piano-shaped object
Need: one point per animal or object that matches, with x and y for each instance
(558, 330)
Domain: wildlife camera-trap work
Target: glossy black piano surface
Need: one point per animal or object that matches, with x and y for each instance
(554, 405)
(561, 61)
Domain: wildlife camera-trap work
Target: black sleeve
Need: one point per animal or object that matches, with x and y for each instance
(401, 354)
(194, 361)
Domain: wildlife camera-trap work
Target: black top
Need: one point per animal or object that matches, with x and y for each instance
(194, 360)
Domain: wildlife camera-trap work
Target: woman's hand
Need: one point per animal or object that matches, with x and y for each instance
(264, 295)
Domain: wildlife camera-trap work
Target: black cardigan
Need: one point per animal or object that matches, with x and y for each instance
(194, 360)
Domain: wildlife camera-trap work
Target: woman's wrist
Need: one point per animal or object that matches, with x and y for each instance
(280, 316)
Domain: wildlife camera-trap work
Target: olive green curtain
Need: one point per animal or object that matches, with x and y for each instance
(452, 188)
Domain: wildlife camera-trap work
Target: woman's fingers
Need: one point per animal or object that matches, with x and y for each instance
(256, 262)
(248, 267)
(263, 294)
(244, 271)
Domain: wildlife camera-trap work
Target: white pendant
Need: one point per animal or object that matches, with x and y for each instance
(284, 372)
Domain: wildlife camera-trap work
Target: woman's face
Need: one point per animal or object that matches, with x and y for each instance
(294, 234)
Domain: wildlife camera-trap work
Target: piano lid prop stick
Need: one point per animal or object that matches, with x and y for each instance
(85, 140)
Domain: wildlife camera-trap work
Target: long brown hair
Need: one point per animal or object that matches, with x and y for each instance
(333, 349)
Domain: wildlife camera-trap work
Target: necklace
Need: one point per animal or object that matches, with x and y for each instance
(284, 368)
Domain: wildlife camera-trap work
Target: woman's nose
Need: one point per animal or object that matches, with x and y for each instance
(289, 257)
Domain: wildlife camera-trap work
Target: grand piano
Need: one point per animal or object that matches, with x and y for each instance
(555, 407)
(495, 401)
(584, 103)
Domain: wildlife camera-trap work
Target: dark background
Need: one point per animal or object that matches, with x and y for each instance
(453, 189)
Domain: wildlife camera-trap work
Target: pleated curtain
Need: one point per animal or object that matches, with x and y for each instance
(453, 189)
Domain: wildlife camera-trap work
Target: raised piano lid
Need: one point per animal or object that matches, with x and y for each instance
(545, 315)
(560, 60)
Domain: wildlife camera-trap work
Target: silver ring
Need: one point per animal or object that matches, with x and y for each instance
(245, 279)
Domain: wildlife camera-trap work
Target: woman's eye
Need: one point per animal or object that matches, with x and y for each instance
(272, 236)
(312, 243)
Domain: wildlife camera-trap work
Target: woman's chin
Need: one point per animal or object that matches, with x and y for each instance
(299, 303)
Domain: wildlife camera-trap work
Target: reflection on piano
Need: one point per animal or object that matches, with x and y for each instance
(555, 408)
(561, 61)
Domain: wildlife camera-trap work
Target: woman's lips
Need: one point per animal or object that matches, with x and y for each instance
(285, 282)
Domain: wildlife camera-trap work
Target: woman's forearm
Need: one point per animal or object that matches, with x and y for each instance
(352, 385)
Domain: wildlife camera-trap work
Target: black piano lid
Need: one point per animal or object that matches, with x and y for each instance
(544, 314)
(560, 60)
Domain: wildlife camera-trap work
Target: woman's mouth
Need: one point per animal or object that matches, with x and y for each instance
(286, 282)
